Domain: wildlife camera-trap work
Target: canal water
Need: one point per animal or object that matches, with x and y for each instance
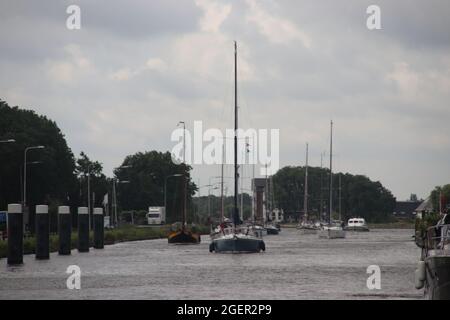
(293, 267)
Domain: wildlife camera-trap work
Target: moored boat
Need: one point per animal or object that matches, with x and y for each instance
(236, 238)
(180, 232)
(331, 232)
(356, 224)
(271, 229)
(183, 236)
(334, 229)
(433, 271)
(307, 228)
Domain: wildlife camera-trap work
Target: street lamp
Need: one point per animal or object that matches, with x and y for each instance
(115, 180)
(25, 173)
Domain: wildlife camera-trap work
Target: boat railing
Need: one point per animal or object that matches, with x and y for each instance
(438, 239)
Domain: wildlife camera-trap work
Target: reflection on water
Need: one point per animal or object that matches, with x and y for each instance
(293, 267)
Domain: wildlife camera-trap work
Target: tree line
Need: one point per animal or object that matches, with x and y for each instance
(56, 177)
(353, 195)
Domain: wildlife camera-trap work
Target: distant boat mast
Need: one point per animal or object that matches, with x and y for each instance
(305, 199)
(331, 171)
(236, 174)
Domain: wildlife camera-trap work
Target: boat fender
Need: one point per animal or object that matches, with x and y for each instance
(419, 284)
(421, 270)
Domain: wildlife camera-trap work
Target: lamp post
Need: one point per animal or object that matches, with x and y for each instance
(25, 173)
(115, 180)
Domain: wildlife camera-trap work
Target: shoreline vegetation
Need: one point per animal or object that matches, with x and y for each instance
(124, 233)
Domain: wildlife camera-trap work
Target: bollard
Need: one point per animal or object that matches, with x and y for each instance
(98, 228)
(15, 234)
(64, 230)
(42, 233)
(83, 229)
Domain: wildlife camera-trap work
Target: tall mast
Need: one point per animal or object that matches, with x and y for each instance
(253, 182)
(305, 199)
(321, 186)
(184, 179)
(340, 197)
(266, 196)
(331, 171)
(221, 184)
(236, 174)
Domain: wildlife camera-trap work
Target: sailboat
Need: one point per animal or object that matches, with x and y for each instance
(235, 237)
(181, 234)
(306, 226)
(331, 230)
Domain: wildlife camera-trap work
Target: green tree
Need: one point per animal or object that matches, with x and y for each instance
(147, 173)
(359, 196)
(444, 192)
(99, 183)
(49, 181)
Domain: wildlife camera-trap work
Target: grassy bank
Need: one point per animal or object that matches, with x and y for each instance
(122, 234)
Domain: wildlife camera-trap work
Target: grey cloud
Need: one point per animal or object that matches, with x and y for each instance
(399, 139)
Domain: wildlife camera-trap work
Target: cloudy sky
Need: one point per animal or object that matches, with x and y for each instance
(121, 83)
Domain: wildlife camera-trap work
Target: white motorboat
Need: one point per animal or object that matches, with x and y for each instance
(356, 224)
(331, 232)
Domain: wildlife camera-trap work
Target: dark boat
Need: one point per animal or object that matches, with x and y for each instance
(181, 234)
(271, 229)
(184, 236)
(235, 237)
(237, 242)
(433, 272)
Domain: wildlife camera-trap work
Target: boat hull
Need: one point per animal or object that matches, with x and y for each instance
(272, 230)
(184, 237)
(437, 277)
(238, 245)
(357, 228)
(331, 234)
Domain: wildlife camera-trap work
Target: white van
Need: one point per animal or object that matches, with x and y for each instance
(156, 215)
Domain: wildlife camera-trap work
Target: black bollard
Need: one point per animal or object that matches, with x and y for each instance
(98, 228)
(83, 229)
(64, 230)
(15, 234)
(42, 233)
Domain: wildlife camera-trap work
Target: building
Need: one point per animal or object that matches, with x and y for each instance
(406, 209)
